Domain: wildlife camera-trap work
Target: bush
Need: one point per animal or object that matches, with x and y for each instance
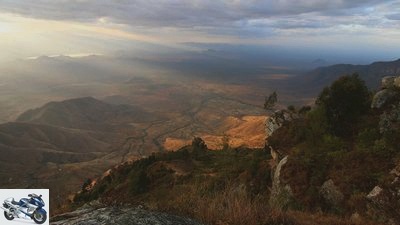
(345, 101)
(139, 183)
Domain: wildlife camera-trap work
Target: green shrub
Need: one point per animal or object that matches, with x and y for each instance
(138, 183)
(345, 101)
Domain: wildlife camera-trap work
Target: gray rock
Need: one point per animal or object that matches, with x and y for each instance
(375, 193)
(332, 195)
(389, 88)
(89, 215)
(273, 123)
(277, 119)
(390, 119)
(384, 203)
(381, 97)
(281, 194)
(388, 82)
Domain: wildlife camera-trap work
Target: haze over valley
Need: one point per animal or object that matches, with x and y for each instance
(78, 116)
(228, 112)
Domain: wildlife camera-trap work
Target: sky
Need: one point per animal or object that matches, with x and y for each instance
(326, 28)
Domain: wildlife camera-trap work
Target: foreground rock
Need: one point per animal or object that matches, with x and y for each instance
(384, 202)
(97, 215)
(331, 194)
(389, 90)
(281, 193)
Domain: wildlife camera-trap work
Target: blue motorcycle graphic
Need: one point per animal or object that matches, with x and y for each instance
(31, 207)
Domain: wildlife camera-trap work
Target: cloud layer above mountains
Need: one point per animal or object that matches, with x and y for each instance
(285, 22)
(201, 13)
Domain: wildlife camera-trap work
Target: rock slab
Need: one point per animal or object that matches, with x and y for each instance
(88, 215)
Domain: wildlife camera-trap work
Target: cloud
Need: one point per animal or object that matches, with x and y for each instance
(395, 16)
(177, 13)
(216, 21)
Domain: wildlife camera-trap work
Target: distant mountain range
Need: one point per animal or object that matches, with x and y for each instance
(62, 143)
(312, 82)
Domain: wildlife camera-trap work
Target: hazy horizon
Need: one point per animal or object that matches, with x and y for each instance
(297, 32)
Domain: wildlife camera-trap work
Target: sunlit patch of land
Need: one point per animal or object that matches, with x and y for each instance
(246, 131)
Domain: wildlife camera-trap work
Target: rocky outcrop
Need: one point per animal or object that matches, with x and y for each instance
(331, 194)
(387, 82)
(381, 97)
(277, 119)
(273, 123)
(389, 120)
(387, 96)
(384, 202)
(388, 90)
(95, 214)
(281, 194)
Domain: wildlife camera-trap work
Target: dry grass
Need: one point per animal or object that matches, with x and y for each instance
(234, 206)
(240, 131)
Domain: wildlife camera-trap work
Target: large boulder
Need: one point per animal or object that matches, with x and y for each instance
(277, 119)
(273, 123)
(389, 120)
(388, 82)
(384, 201)
(389, 86)
(281, 194)
(381, 97)
(331, 194)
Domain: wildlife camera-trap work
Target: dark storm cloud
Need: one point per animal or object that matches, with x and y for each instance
(181, 13)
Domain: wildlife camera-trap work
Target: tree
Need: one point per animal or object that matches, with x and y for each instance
(198, 144)
(139, 182)
(270, 101)
(225, 142)
(86, 185)
(344, 102)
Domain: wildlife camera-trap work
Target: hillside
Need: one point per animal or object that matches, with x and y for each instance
(63, 143)
(33, 147)
(36, 156)
(188, 182)
(86, 113)
(335, 163)
(342, 156)
(216, 187)
(312, 82)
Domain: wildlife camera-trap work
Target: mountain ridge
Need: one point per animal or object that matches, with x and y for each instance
(314, 81)
(85, 113)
